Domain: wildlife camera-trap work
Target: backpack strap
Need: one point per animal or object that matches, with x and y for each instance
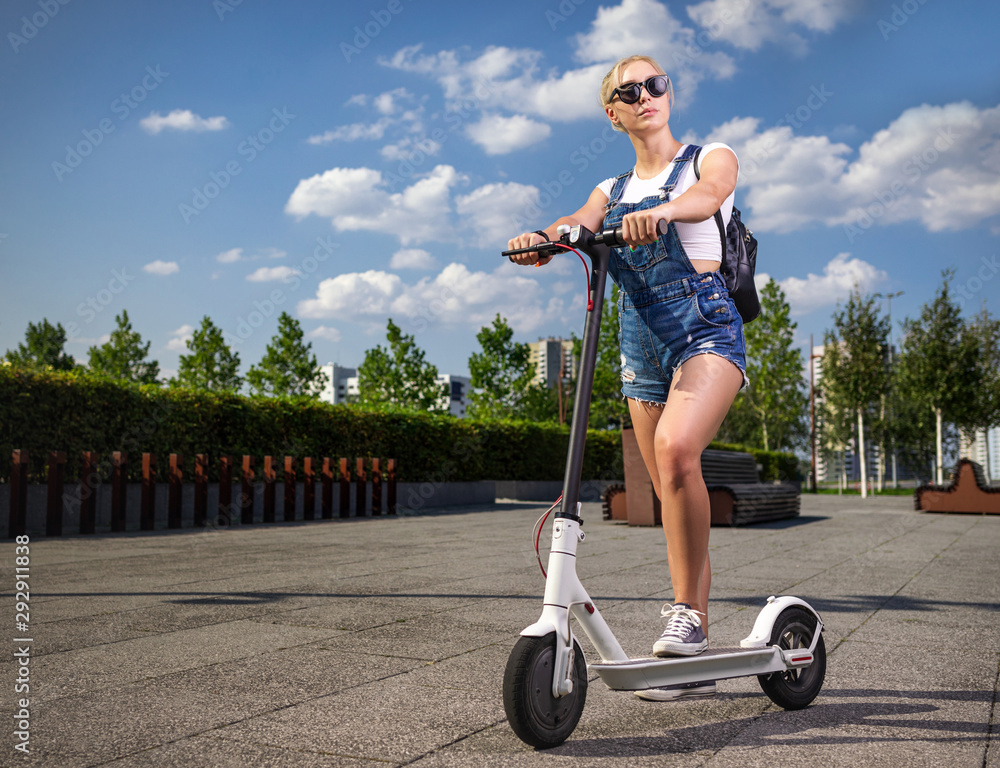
(718, 214)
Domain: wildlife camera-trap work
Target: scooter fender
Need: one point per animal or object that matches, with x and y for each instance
(553, 619)
(760, 637)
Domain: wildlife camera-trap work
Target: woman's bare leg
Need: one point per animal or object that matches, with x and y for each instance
(671, 438)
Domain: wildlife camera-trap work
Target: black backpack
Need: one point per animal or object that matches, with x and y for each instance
(739, 260)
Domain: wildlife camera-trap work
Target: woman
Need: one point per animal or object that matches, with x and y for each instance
(681, 339)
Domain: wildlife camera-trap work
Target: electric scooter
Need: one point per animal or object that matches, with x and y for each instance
(545, 681)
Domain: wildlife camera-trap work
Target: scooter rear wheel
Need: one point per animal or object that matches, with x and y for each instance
(796, 688)
(535, 715)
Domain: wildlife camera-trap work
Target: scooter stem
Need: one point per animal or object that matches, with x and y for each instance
(599, 256)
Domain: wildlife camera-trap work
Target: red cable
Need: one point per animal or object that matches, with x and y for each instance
(538, 536)
(590, 300)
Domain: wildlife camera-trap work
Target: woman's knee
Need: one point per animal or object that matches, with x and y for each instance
(678, 460)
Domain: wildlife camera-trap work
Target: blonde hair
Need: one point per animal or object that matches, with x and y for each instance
(613, 79)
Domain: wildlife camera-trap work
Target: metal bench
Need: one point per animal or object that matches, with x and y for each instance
(967, 492)
(738, 496)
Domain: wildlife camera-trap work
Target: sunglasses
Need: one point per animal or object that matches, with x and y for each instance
(656, 86)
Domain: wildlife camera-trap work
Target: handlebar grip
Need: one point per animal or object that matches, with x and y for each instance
(613, 237)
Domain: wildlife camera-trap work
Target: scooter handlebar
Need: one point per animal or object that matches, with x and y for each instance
(609, 237)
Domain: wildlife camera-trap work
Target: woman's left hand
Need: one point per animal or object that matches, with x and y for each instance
(640, 227)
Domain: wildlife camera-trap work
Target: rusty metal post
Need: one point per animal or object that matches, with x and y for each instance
(376, 488)
(18, 519)
(269, 490)
(345, 489)
(290, 489)
(147, 513)
(119, 488)
(89, 480)
(390, 490)
(175, 478)
(327, 503)
(54, 511)
(246, 492)
(360, 487)
(225, 513)
(308, 489)
(200, 490)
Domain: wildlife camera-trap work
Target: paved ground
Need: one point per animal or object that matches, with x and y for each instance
(383, 642)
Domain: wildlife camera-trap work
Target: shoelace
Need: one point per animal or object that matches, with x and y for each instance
(680, 621)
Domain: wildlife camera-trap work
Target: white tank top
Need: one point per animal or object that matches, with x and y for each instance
(700, 239)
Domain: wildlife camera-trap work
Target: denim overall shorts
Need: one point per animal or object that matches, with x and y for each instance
(667, 311)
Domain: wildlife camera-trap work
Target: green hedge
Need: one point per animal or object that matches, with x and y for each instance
(45, 411)
(73, 412)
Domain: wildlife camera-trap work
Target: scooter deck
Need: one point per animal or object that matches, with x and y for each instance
(713, 664)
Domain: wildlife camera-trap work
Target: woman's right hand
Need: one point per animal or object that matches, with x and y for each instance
(527, 240)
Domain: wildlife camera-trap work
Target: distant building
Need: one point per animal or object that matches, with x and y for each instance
(342, 387)
(458, 393)
(551, 359)
(337, 387)
(983, 447)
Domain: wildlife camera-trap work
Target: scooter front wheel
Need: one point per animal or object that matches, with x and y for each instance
(535, 715)
(796, 688)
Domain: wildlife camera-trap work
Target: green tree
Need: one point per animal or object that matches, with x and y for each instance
(42, 348)
(855, 373)
(288, 369)
(775, 401)
(937, 367)
(212, 365)
(982, 410)
(399, 376)
(124, 356)
(607, 407)
(500, 374)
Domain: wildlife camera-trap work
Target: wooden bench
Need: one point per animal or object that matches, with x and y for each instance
(967, 492)
(735, 491)
(738, 496)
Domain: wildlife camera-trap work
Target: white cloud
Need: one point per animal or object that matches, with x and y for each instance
(359, 199)
(271, 274)
(181, 337)
(750, 25)
(494, 211)
(457, 296)
(161, 267)
(939, 165)
(649, 27)
(412, 258)
(352, 132)
(182, 120)
(499, 135)
(230, 256)
(841, 275)
(396, 110)
(408, 150)
(325, 333)
(353, 294)
(501, 78)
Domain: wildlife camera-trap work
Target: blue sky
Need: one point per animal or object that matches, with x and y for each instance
(351, 162)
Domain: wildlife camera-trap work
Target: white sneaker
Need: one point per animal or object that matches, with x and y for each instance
(700, 690)
(683, 635)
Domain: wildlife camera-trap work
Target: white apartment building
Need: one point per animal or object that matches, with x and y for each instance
(983, 447)
(337, 387)
(342, 387)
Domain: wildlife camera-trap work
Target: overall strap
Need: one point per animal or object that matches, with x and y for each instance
(688, 151)
(617, 189)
